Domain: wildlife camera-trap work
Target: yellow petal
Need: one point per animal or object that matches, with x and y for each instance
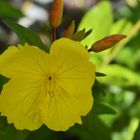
(74, 68)
(23, 61)
(68, 47)
(63, 111)
(27, 67)
(30, 98)
(72, 97)
(68, 54)
(19, 102)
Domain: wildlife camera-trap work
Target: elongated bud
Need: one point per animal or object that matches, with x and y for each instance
(56, 13)
(69, 30)
(106, 43)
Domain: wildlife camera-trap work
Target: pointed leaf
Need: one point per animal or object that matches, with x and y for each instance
(100, 108)
(78, 36)
(3, 80)
(137, 133)
(56, 13)
(99, 74)
(7, 10)
(25, 35)
(107, 42)
(87, 33)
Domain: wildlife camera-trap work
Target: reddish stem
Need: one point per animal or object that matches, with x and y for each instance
(53, 33)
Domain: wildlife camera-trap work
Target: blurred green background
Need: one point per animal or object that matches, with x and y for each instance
(116, 111)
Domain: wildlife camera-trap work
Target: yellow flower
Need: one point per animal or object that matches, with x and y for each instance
(52, 89)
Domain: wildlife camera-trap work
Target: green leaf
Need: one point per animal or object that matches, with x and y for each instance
(99, 19)
(99, 74)
(96, 128)
(92, 127)
(122, 26)
(79, 132)
(7, 10)
(137, 133)
(78, 36)
(131, 53)
(3, 80)
(25, 35)
(11, 132)
(87, 33)
(122, 76)
(98, 90)
(3, 125)
(42, 133)
(100, 108)
(2, 34)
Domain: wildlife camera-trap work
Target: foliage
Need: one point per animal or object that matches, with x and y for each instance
(9, 11)
(25, 35)
(116, 111)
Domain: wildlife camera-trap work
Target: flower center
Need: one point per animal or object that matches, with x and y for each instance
(50, 84)
(50, 78)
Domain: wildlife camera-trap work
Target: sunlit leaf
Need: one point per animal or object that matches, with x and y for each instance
(122, 76)
(137, 133)
(122, 26)
(131, 53)
(99, 19)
